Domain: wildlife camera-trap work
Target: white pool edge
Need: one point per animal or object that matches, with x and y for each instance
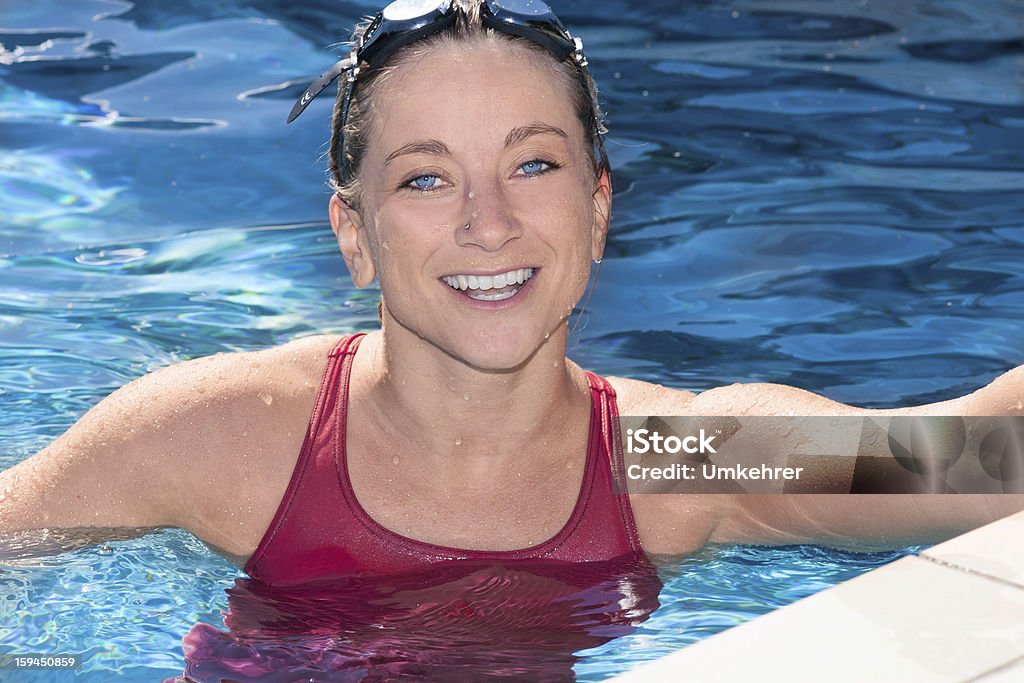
(952, 614)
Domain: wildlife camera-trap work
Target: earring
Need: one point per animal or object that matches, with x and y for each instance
(597, 262)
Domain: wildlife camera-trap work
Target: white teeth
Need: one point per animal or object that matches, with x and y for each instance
(493, 297)
(486, 282)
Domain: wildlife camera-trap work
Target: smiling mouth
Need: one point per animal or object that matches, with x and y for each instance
(490, 287)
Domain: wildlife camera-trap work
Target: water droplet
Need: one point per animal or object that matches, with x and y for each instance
(395, 460)
(267, 398)
(465, 397)
(106, 550)
(458, 441)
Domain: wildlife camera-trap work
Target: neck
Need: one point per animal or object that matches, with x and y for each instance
(450, 408)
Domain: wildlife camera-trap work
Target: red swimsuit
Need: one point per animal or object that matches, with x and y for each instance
(321, 531)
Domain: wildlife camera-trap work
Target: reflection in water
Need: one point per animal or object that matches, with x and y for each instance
(462, 621)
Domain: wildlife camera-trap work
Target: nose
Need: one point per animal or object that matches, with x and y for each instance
(490, 222)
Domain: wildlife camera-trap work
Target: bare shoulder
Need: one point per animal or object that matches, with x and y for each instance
(190, 445)
(216, 396)
(636, 397)
(668, 525)
(225, 374)
(248, 414)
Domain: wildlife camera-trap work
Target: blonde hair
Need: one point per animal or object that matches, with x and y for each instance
(467, 28)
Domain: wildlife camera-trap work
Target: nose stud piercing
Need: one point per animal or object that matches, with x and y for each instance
(467, 227)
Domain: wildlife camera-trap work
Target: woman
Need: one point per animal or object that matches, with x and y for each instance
(468, 184)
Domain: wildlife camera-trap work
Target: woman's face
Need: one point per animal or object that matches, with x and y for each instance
(482, 135)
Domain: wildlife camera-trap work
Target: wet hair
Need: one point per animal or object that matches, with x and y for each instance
(467, 28)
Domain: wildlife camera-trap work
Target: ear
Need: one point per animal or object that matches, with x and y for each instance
(347, 225)
(602, 214)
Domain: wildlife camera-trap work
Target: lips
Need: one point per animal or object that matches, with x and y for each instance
(490, 287)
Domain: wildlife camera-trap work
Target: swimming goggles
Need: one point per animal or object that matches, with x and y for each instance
(405, 21)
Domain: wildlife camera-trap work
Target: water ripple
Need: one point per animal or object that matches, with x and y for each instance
(824, 194)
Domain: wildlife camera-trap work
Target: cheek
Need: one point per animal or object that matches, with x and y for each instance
(578, 219)
(401, 241)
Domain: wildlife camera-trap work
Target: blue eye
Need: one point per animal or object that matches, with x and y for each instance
(424, 182)
(534, 167)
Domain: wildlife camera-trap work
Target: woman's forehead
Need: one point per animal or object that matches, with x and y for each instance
(476, 90)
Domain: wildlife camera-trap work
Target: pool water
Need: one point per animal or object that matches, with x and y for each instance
(826, 194)
(127, 606)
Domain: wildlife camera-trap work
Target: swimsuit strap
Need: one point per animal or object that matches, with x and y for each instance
(615, 461)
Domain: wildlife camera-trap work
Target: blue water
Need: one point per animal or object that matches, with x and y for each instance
(826, 194)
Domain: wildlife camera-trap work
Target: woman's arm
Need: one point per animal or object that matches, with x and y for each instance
(1004, 396)
(851, 520)
(108, 471)
(848, 520)
(206, 445)
(860, 521)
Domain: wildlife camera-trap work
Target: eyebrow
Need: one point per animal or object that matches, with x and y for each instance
(523, 132)
(435, 147)
(438, 148)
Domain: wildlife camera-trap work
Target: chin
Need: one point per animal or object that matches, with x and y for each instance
(496, 352)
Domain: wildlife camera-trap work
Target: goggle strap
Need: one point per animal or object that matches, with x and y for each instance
(317, 86)
(375, 54)
(346, 102)
(556, 46)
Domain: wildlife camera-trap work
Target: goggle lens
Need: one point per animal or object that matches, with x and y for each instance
(404, 10)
